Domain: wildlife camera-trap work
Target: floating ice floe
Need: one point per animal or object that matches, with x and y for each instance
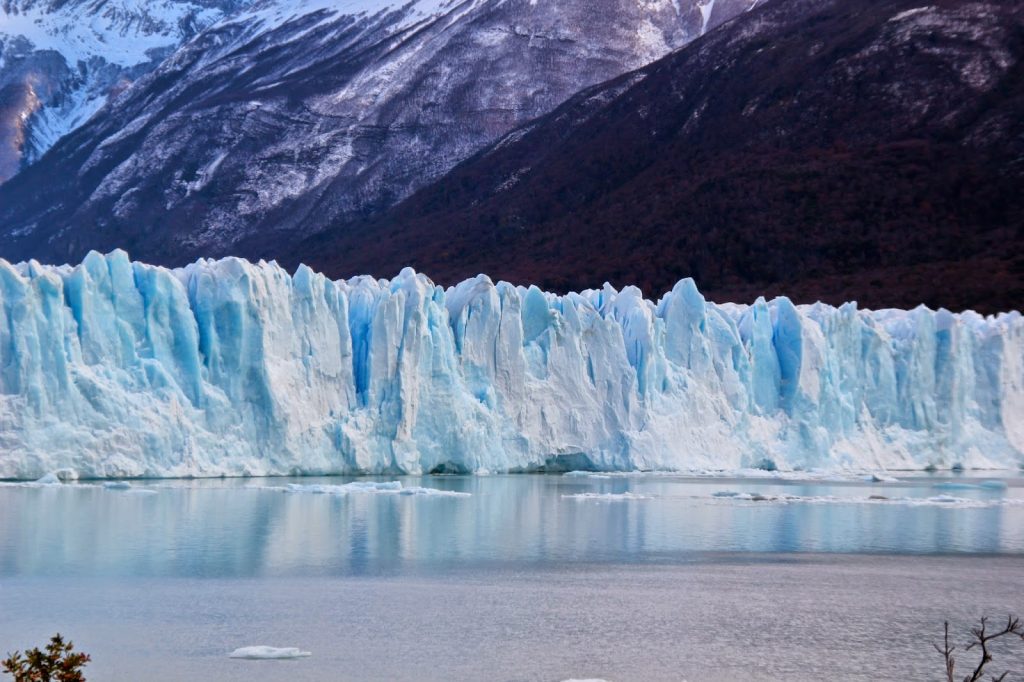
(606, 497)
(964, 485)
(587, 474)
(117, 485)
(49, 480)
(993, 485)
(371, 487)
(933, 501)
(127, 488)
(268, 653)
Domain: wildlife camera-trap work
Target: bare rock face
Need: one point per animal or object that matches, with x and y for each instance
(821, 149)
(286, 117)
(61, 60)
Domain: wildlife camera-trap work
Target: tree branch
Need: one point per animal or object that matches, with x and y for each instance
(982, 639)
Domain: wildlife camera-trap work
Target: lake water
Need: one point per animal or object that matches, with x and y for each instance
(528, 577)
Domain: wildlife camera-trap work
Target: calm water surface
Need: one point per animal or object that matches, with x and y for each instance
(520, 577)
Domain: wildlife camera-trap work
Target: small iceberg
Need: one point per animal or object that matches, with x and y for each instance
(268, 653)
(127, 488)
(961, 485)
(54, 479)
(371, 487)
(347, 488)
(993, 485)
(117, 485)
(945, 501)
(585, 474)
(954, 485)
(431, 492)
(50, 480)
(607, 497)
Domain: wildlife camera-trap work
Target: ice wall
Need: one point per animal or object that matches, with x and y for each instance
(113, 368)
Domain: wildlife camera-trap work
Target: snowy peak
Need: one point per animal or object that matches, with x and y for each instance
(120, 33)
(285, 117)
(61, 61)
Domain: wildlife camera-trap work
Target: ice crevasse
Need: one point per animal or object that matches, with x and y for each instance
(118, 369)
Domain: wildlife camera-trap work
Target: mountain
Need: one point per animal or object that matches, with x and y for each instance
(62, 60)
(818, 148)
(289, 116)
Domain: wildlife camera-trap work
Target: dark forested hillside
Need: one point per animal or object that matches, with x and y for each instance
(826, 150)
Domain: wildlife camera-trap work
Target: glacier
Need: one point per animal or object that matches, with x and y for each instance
(119, 369)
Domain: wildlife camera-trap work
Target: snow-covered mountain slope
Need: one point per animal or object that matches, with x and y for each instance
(822, 149)
(114, 368)
(61, 60)
(289, 116)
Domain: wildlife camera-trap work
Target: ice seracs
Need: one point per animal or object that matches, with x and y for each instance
(118, 369)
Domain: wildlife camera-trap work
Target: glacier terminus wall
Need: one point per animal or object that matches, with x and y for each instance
(118, 369)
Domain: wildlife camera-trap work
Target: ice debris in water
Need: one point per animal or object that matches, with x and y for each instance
(937, 500)
(607, 497)
(964, 485)
(226, 367)
(49, 480)
(268, 652)
(993, 485)
(357, 487)
(954, 485)
(127, 488)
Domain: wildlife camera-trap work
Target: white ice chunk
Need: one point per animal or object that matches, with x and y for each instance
(431, 492)
(268, 652)
(606, 497)
(372, 487)
(117, 485)
(993, 485)
(945, 501)
(954, 485)
(586, 474)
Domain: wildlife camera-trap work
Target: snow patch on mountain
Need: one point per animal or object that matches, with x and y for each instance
(122, 33)
(60, 62)
(327, 111)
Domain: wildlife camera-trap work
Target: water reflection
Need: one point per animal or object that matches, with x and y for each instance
(252, 528)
